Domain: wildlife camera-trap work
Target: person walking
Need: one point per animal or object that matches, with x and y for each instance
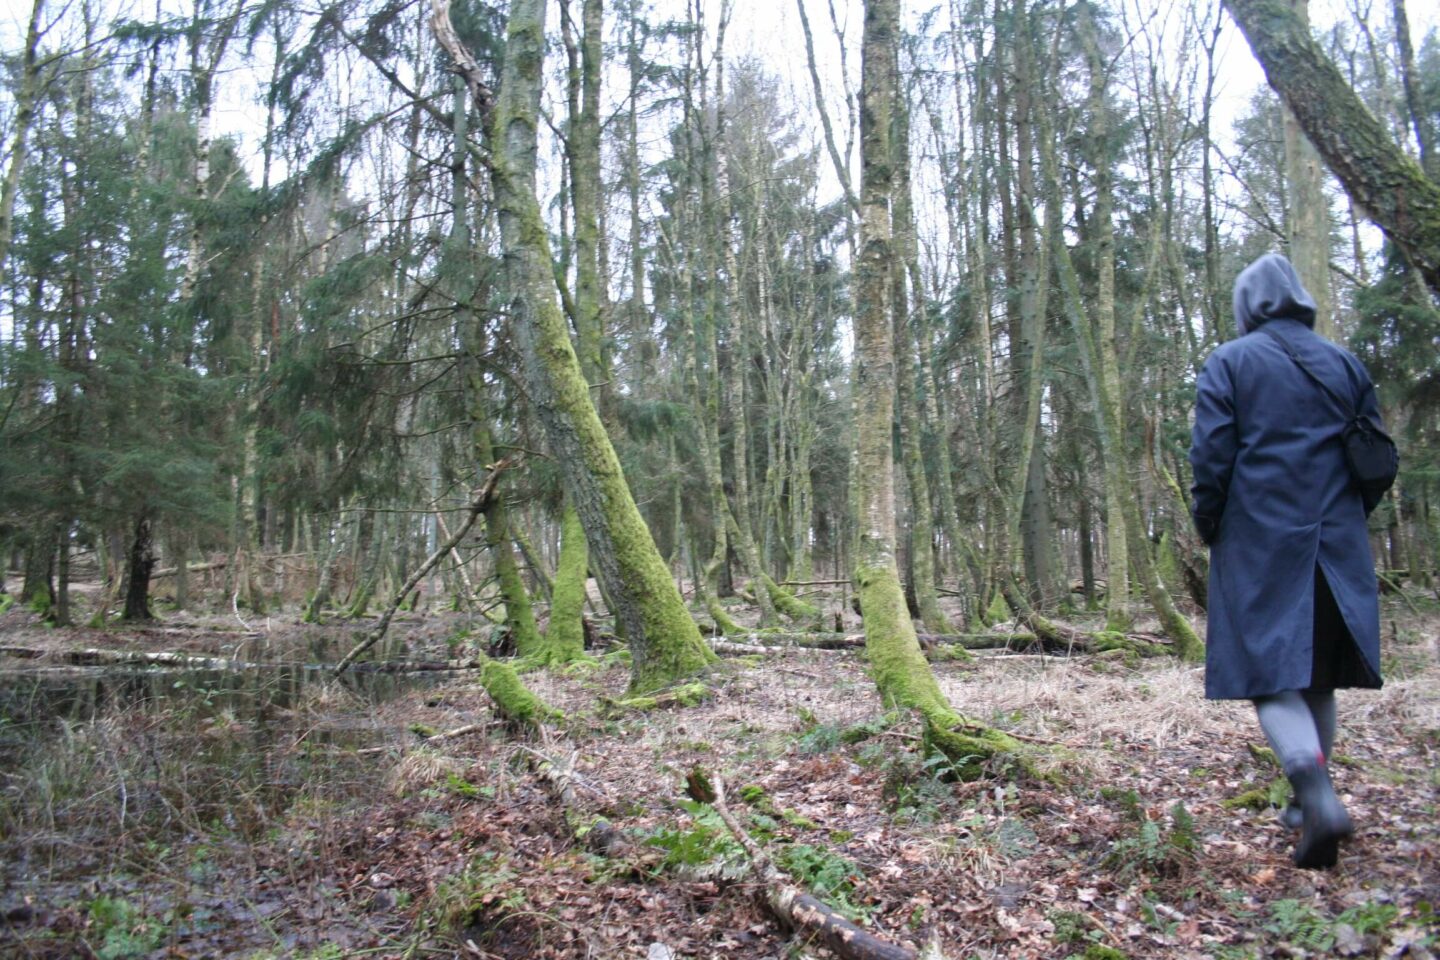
(1293, 611)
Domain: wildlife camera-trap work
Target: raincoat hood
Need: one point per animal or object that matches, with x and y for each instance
(1269, 289)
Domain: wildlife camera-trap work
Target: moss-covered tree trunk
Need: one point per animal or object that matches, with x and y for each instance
(565, 635)
(900, 669)
(1377, 173)
(519, 612)
(665, 643)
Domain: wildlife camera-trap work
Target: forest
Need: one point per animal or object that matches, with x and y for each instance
(443, 445)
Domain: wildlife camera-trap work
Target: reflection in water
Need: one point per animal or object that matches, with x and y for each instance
(249, 694)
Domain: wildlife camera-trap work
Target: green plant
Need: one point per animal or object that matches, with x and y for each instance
(1155, 850)
(705, 846)
(1301, 925)
(461, 787)
(825, 873)
(484, 887)
(122, 929)
(1070, 926)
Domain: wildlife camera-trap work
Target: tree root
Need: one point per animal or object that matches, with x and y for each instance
(514, 702)
(680, 695)
(800, 911)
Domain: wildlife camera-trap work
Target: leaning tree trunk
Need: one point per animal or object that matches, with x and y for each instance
(665, 643)
(564, 639)
(1308, 211)
(1377, 173)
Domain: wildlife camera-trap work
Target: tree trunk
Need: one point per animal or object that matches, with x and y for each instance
(1422, 123)
(665, 644)
(26, 94)
(1386, 183)
(1309, 209)
(901, 672)
(142, 564)
(565, 634)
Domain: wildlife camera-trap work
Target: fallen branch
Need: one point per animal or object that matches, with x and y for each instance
(93, 657)
(483, 496)
(442, 735)
(191, 568)
(598, 834)
(800, 911)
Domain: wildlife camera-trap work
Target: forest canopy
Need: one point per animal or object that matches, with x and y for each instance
(283, 285)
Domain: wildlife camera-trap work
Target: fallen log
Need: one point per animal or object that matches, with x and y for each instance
(800, 911)
(93, 657)
(190, 568)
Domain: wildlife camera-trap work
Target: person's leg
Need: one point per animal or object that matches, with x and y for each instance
(1321, 704)
(1293, 734)
(1322, 709)
(1290, 727)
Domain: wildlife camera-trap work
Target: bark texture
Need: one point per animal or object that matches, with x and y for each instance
(1388, 185)
(665, 643)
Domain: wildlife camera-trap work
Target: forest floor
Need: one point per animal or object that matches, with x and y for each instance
(325, 824)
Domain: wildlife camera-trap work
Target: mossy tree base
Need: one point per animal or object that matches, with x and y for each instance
(514, 702)
(787, 603)
(723, 622)
(976, 751)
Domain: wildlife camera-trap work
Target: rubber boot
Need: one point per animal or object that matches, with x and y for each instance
(1291, 817)
(1324, 822)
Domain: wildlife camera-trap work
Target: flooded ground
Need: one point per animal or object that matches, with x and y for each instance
(137, 799)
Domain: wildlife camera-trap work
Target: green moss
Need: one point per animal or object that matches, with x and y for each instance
(723, 622)
(1100, 952)
(787, 603)
(1264, 755)
(998, 611)
(897, 663)
(565, 636)
(681, 695)
(361, 604)
(1167, 566)
(513, 700)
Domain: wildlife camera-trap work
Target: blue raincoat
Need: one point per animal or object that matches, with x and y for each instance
(1293, 603)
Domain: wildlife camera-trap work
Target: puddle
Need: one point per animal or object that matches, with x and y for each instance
(248, 693)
